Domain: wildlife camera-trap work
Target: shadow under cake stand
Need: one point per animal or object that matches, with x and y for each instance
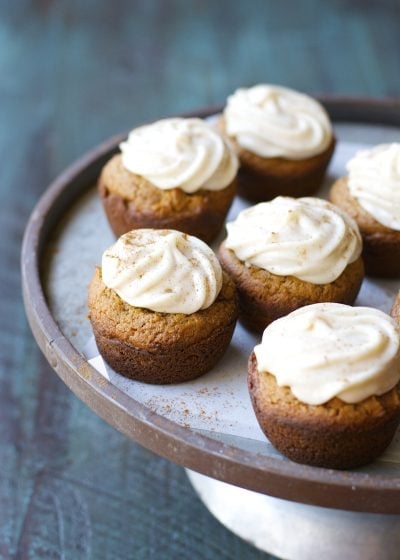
(290, 510)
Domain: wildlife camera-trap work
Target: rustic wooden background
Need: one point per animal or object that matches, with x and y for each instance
(73, 72)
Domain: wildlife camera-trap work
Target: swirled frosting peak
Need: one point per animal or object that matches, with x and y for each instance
(184, 153)
(331, 350)
(162, 270)
(374, 180)
(308, 238)
(274, 121)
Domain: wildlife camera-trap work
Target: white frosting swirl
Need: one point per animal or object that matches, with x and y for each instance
(273, 121)
(374, 180)
(162, 270)
(331, 350)
(308, 238)
(184, 153)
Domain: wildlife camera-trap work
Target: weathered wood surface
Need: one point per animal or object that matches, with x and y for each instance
(71, 74)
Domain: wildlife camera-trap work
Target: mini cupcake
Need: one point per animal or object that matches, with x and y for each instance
(333, 399)
(288, 253)
(283, 139)
(371, 195)
(172, 174)
(395, 312)
(161, 309)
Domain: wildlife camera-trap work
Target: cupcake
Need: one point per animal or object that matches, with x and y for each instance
(371, 195)
(161, 309)
(287, 253)
(172, 174)
(333, 399)
(395, 312)
(283, 139)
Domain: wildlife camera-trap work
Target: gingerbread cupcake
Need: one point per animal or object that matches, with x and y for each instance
(324, 384)
(287, 253)
(283, 139)
(172, 174)
(371, 195)
(161, 309)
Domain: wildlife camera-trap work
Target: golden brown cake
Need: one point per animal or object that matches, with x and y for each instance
(262, 178)
(264, 297)
(159, 346)
(283, 139)
(381, 244)
(395, 312)
(278, 266)
(173, 174)
(328, 431)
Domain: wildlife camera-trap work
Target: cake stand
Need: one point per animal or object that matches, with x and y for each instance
(291, 510)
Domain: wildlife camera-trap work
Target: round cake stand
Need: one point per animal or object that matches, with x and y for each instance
(294, 531)
(293, 511)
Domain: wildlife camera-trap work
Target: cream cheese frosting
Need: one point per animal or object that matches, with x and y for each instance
(273, 121)
(162, 270)
(308, 238)
(177, 152)
(331, 350)
(374, 180)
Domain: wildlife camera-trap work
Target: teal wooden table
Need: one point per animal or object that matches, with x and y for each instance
(73, 73)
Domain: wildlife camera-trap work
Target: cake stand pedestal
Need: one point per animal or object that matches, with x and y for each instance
(295, 531)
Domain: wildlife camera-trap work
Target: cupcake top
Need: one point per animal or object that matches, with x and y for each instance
(162, 270)
(335, 351)
(273, 121)
(184, 153)
(308, 238)
(374, 180)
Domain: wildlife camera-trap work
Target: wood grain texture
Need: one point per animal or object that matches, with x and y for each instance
(71, 74)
